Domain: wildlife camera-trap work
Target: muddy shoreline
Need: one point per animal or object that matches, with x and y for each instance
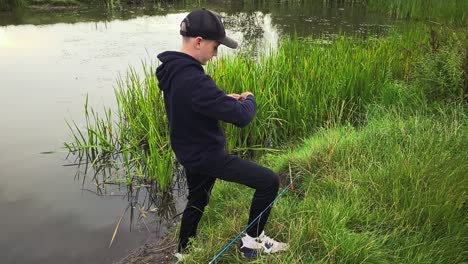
(153, 251)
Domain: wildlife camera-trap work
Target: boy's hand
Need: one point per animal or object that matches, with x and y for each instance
(240, 97)
(235, 96)
(244, 95)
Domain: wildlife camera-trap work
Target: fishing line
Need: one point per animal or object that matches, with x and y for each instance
(289, 187)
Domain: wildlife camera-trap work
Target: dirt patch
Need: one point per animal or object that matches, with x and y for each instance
(284, 179)
(161, 252)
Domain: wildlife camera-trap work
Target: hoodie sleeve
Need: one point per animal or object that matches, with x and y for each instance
(209, 100)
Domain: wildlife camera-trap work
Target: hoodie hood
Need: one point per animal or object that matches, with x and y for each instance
(173, 63)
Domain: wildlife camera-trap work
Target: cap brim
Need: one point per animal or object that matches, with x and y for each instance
(228, 42)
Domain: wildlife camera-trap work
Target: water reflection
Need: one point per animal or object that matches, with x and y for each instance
(147, 206)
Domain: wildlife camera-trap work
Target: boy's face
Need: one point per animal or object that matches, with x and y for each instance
(208, 49)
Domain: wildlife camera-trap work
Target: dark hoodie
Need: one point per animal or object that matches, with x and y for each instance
(194, 105)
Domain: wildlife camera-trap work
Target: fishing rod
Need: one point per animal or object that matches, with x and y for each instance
(289, 187)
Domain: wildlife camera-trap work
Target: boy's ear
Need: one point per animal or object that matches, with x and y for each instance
(197, 41)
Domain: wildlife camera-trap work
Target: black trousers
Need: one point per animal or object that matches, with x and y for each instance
(233, 169)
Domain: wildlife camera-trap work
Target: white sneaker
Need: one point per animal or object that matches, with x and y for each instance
(179, 257)
(270, 245)
(250, 247)
(253, 247)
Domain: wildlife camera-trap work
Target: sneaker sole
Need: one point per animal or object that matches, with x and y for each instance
(249, 253)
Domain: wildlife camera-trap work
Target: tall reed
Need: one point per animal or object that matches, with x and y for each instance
(12, 4)
(451, 11)
(135, 143)
(307, 84)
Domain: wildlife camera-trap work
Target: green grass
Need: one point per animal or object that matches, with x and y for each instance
(305, 85)
(312, 83)
(394, 191)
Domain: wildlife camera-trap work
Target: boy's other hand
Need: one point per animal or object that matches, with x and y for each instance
(235, 96)
(244, 95)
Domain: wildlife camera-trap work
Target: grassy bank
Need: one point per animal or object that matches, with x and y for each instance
(393, 191)
(305, 85)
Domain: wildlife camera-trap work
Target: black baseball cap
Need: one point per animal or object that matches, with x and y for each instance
(206, 24)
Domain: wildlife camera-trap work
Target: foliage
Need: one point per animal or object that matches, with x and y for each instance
(452, 11)
(311, 83)
(440, 74)
(12, 4)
